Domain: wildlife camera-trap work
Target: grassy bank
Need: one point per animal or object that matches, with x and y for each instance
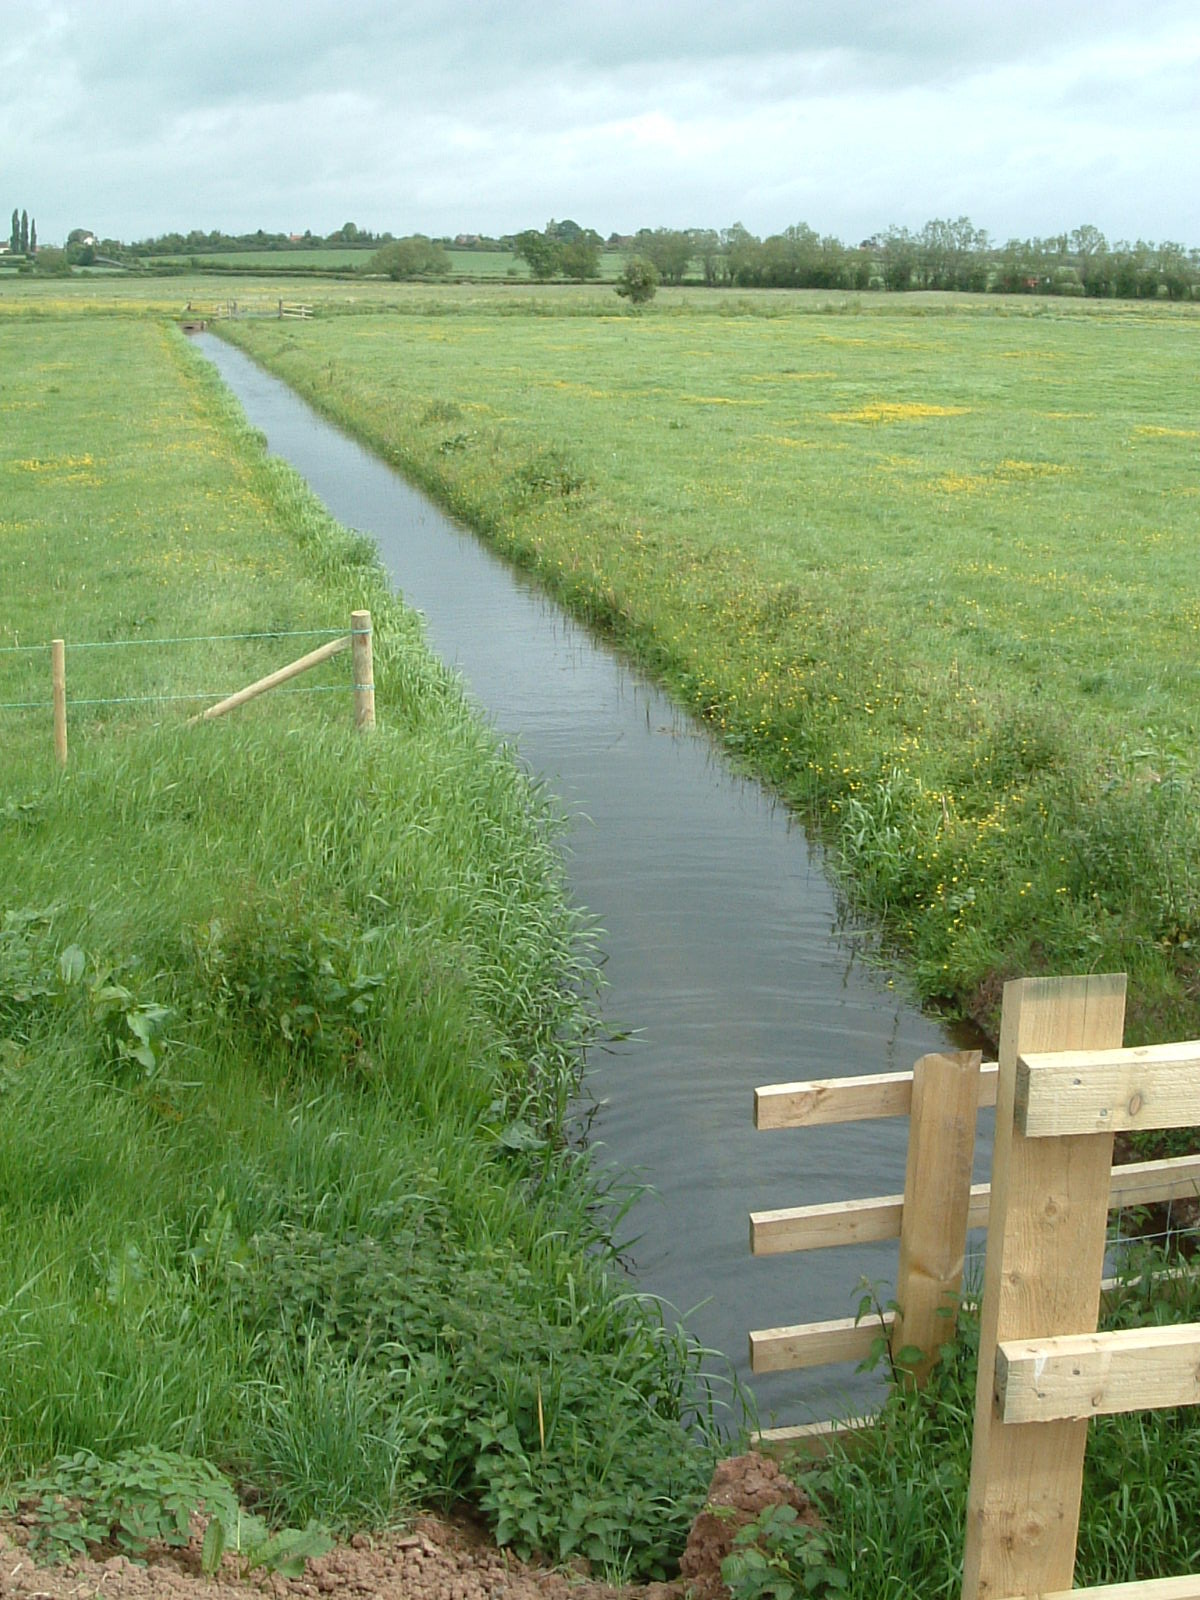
(289, 1017)
(927, 566)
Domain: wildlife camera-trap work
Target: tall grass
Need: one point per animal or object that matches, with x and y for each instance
(290, 1020)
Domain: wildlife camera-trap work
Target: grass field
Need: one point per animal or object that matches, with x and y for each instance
(283, 1181)
(929, 566)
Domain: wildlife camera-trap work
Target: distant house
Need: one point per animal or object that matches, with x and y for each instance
(5, 247)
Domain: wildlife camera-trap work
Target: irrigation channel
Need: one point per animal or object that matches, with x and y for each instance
(723, 956)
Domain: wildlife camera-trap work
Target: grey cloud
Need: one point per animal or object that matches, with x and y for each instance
(153, 114)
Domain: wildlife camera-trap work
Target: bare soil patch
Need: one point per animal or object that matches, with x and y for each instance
(434, 1559)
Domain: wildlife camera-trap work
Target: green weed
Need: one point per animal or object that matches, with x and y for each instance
(150, 1497)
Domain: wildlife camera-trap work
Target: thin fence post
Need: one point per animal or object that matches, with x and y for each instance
(364, 670)
(937, 1195)
(58, 676)
(1045, 1255)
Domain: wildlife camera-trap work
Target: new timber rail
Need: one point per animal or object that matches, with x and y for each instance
(941, 1097)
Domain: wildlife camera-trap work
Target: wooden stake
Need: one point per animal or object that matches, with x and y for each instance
(937, 1195)
(58, 675)
(364, 670)
(1045, 1257)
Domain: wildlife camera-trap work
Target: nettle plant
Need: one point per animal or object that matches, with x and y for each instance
(150, 1497)
(133, 1028)
(34, 983)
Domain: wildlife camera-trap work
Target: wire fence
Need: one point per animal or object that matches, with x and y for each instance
(154, 699)
(357, 637)
(188, 638)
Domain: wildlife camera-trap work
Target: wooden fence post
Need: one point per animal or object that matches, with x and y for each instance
(937, 1195)
(364, 670)
(1045, 1256)
(58, 676)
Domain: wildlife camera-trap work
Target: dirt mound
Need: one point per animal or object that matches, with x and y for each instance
(741, 1488)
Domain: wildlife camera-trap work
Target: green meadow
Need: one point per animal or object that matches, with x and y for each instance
(290, 1017)
(287, 1188)
(929, 566)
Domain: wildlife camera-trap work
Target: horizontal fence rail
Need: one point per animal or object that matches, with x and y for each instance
(840, 1222)
(1109, 1091)
(821, 1101)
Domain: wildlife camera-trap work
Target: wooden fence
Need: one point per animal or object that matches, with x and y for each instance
(358, 640)
(941, 1098)
(293, 309)
(1065, 1087)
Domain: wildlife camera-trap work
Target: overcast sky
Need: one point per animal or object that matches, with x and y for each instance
(136, 117)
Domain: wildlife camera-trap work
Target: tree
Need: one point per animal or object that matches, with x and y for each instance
(24, 233)
(898, 249)
(744, 256)
(669, 249)
(541, 254)
(580, 258)
(14, 243)
(713, 254)
(1090, 249)
(52, 264)
(952, 255)
(414, 257)
(32, 238)
(638, 281)
(1174, 270)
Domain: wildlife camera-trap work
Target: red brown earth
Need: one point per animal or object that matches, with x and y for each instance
(434, 1559)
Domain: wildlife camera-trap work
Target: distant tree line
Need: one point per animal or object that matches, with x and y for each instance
(941, 255)
(413, 257)
(944, 254)
(197, 242)
(560, 249)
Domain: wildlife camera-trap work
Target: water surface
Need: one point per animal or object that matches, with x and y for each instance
(723, 958)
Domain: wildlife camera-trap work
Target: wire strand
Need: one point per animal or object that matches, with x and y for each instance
(154, 699)
(197, 638)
